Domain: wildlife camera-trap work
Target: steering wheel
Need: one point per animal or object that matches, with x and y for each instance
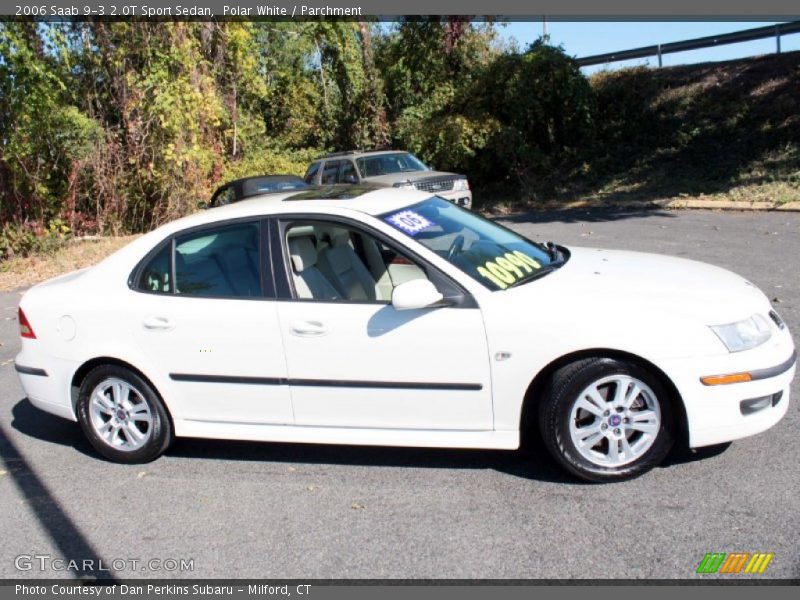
(456, 247)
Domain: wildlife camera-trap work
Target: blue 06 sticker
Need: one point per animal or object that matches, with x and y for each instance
(409, 221)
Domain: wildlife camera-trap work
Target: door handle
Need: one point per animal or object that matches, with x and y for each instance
(158, 324)
(309, 328)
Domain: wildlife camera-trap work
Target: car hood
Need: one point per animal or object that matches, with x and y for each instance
(413, 176)
(635, 281)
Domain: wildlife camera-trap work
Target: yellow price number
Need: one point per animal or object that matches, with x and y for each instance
(505, 270)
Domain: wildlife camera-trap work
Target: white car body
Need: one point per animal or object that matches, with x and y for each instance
(365, 373)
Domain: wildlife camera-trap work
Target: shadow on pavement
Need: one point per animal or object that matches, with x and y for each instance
(523, 464)
(585, 215)
(35, 423)
(40, 425)
(531, 462)
(681, 454)
(72, 545)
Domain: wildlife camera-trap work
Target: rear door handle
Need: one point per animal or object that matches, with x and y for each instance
(309, 328)
(158, 324)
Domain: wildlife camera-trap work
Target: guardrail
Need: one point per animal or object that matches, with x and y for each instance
(746, 35)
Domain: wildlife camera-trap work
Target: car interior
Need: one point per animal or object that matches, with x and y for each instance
(221, 263)
(330, 262)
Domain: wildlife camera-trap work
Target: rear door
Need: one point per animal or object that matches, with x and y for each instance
(205, 319)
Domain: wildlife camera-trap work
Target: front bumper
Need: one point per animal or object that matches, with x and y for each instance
(722, 413)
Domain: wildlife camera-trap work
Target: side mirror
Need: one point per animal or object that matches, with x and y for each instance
(417, 293)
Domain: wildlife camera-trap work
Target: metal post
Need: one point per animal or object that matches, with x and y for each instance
(659, 56)
(777, 39)
(545, 36)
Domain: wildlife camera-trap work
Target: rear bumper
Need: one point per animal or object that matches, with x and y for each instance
(47, 387)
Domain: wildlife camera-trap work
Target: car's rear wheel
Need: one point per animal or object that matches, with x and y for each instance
(606, 420)
(122, 416)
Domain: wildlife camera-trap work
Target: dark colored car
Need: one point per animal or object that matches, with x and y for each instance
(247, 187)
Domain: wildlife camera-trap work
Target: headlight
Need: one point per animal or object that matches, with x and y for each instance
(459, 185)
(743, 335)
(404, 185)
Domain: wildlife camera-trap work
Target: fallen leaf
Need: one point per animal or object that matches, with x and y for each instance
(777, 300)
(3, 473)
(141, 474)
(357, 506)
(311, 488)
(6, 362)
(291, 469)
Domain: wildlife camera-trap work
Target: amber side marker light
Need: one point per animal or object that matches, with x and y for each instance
(725, 379)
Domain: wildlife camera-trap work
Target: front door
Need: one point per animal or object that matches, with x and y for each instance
(355, 361)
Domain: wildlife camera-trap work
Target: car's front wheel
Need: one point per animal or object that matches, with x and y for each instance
(122, 416)
(605, 419)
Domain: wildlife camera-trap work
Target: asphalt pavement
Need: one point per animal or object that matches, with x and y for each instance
(305, 511)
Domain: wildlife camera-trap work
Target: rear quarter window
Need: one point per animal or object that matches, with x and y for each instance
(156, 276)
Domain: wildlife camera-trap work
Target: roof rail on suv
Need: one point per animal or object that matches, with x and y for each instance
(352, 152)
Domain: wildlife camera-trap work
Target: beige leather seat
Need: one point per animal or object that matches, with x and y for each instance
(341, 266)
(308, 280)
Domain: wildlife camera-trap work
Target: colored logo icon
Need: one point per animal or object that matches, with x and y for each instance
(734, 563)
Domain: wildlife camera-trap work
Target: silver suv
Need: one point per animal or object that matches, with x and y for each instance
(388, 168)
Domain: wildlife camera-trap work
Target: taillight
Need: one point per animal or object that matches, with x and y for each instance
(25, 329)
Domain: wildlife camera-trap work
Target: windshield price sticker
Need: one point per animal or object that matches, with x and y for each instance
(409, 221)
(505, 270)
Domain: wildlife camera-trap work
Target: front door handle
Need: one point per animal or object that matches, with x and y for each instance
(157, 324)
(309, 328)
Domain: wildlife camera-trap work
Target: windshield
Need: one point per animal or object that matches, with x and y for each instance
(260, 185)
(489, 253)
(386, 164)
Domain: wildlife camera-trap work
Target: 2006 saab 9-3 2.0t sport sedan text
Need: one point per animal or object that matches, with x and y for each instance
(390, 317)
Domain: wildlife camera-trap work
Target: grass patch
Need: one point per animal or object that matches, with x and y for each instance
(77, 254)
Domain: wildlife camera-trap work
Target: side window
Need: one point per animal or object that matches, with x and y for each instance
(311, 173)
(332, 262)
(347, 173)
(221, 262)
(156, 276)
(330, 172)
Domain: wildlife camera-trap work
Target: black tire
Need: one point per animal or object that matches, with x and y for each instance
(158, 430)
(555, 414)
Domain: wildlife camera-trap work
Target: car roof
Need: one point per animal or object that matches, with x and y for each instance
(371, 200)
(359, 153)
(270, 178)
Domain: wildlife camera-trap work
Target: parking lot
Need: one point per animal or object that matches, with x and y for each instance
(302, 511)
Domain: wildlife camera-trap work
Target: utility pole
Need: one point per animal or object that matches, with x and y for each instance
(545, 35)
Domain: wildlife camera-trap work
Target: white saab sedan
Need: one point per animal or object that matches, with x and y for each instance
(390, 317)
